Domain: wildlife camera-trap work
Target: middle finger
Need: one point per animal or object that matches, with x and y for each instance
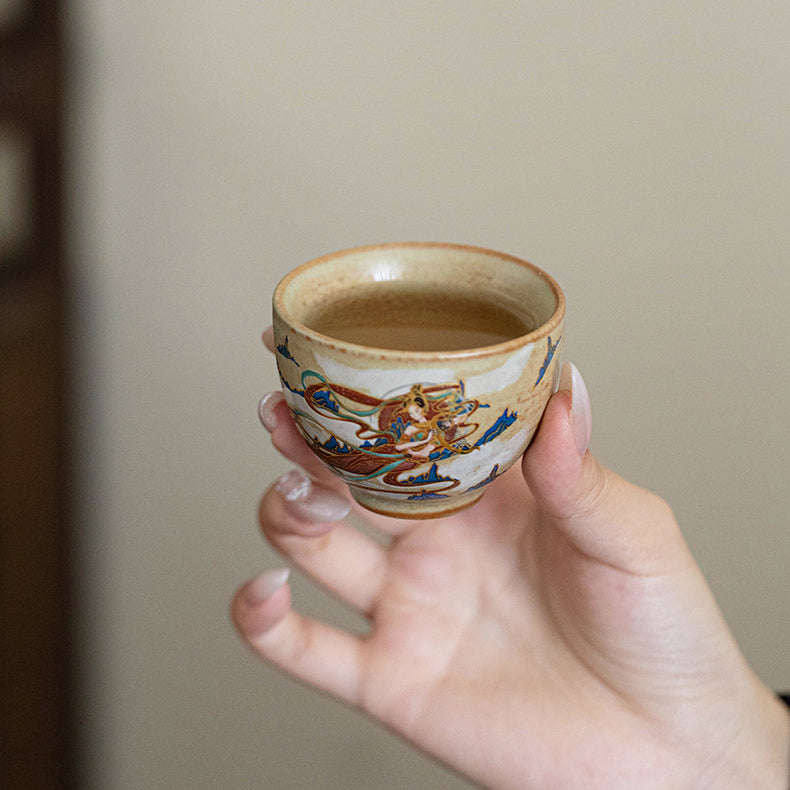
(276, 417)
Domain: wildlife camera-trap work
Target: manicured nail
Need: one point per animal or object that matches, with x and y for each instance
(581, 413)
(266, 407)
(265, 585)
(268, 338)
(311, 501)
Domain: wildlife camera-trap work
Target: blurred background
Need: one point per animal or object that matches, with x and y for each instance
(163, 164)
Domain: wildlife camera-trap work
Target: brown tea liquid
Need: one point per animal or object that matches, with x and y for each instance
(405, 319)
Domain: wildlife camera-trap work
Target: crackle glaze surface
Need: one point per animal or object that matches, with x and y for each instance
(418, 434)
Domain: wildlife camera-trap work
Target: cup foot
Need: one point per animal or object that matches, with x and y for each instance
(415, 509)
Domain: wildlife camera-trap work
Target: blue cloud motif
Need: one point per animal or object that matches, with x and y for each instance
(283, 351)
(431, 476)
(547, 361)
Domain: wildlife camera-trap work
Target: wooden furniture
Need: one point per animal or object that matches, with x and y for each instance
(36, 721)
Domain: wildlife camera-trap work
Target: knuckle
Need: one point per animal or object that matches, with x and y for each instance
(593, 497)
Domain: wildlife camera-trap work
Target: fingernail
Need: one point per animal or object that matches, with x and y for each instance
(266, 407)
(265, 585)
(268, 338)
(581, 413)
(311, 501)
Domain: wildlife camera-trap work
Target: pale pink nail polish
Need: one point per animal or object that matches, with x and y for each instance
(266, 406)
(268, 338)
(265, 585)
(311, 501)
(294, 485)
(581, 412)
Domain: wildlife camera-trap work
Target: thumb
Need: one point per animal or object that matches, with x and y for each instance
(604, 516)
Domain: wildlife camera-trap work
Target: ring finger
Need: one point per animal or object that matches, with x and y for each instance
(305, 521)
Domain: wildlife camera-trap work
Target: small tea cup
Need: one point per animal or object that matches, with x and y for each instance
(418, 372)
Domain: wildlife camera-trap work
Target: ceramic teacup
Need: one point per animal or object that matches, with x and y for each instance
(418, 372)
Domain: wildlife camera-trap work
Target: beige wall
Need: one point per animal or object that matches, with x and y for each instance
(638, 151)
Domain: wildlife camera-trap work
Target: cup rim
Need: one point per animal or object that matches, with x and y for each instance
(539, 332)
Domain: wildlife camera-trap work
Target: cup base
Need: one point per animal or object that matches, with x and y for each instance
(419, 509)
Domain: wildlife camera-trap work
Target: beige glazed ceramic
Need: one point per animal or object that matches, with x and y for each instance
(417, 433)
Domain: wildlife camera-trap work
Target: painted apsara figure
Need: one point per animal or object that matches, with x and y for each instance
(393, 435)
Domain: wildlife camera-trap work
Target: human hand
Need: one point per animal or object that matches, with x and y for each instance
(558, 634)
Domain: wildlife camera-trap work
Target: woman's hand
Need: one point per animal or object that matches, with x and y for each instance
(558, 634)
